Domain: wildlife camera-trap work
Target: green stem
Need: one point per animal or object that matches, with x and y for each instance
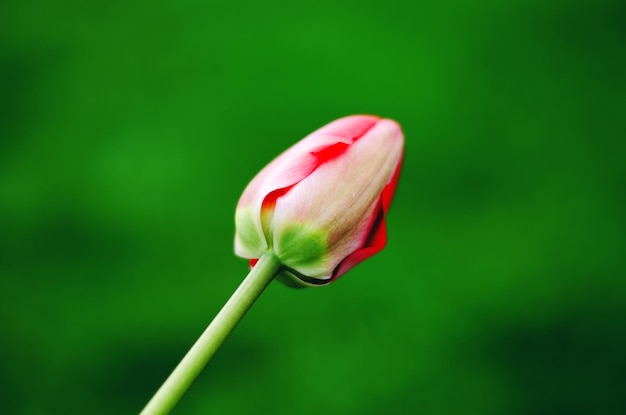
(205, 347)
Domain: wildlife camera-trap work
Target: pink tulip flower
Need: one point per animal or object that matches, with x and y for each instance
(320, 206)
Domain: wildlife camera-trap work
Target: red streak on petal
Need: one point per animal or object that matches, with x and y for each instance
(270, 199)
(335, 150)
(390, 189)
(329, 153)
(253, 262)
(268, 205)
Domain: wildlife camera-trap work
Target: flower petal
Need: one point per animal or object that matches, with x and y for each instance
(342, 199)
(377, 238)
(288, 169)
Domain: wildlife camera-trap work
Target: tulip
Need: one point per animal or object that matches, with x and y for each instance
(320, 206)
(308, 217)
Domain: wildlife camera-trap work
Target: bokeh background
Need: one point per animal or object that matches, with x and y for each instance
(129, 129)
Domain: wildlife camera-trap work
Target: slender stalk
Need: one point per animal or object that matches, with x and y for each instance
(175, 386)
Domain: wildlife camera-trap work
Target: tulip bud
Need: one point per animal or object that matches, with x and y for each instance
(320, 206)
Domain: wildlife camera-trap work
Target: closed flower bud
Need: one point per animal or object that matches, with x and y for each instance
(320, 206)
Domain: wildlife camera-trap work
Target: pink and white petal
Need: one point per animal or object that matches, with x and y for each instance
(295, 164)
(342, 196)
(377, 238)
(300, 160)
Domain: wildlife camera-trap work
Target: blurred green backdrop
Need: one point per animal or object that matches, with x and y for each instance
(129, 129)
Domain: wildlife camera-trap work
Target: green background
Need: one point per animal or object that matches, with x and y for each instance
(129, 129)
